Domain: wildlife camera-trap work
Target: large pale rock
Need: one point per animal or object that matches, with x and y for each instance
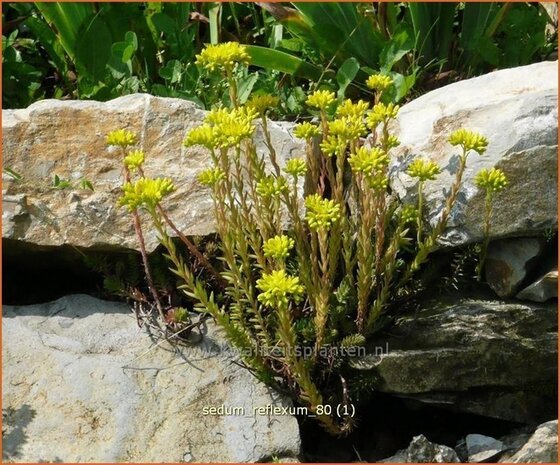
(542, 446)
(517, 110)
(81, 383)
(67, 138)
(488, 358)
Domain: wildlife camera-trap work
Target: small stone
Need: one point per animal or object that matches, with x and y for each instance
(543, 289)
(508, 262)
(482, 448)
(421, 450)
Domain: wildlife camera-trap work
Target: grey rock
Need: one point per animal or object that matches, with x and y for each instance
(421, 450)
(482, 448)
(83, 384)
(67, 138)
(517, 110)
(543, 289)
(542, 446)
(509, 261)
(471, 355)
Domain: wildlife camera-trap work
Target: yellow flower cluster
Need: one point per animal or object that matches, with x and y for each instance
(409, 214)
(261, 103)
(202, 135)
(134, 159)
(295, 167)
(469, 140)
(379, 82)
(278, 247)
(145, 192)
(349, 109)
(368, 161)
(321, 99)
(321, 213)
(333, 145)
(223, 128)
(424, 170)
(121, 137)
(306, 130)
(223, 56)
(347, 128)
(211, 176)
(270, 187)
(378, 181)
(381, 113)
(492, 180)
(277, 289)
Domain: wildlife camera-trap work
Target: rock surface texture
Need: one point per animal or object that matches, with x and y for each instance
(83, 384)
(509, 261)
(67, 138)
(484, 357)
(515, 108)
(542, 446)
(421, 450)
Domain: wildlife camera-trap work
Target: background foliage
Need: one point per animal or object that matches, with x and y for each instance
(104, 50)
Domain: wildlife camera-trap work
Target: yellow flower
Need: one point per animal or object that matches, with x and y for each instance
(393, 141)
(278, 247)
(121, 137)
(145, 192)
(270, 186)
(261, 103)
(223, 56)
(228, 127)
(378, 181)
(277, 289)
(333, 145)
(381, 113)
(211, 176)
(492, 180)
(368, 160)
(409, 214)
(379, 82)
(352, 110)
(134, 159)
(321, 213)
(424, 170)
(347, 129)
(321, 99)
(469, 140)
(295, 167)
(204, 135)
(306, 130)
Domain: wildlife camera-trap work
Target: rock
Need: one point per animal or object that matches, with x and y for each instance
(420, 450)
(542, 446)
(482, 448)
(545, 288)
(509, 261)
(67, 138)
(83, 384)
(471, 355)
(517, 110)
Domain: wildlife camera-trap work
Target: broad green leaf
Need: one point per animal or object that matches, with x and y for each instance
(283, 62)
(346, 74)
(245, 86)
(400, 44)
(92, 60)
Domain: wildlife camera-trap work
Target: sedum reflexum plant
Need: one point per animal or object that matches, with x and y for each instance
(316, 251)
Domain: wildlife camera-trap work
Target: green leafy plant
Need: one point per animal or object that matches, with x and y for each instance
(288, 296)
